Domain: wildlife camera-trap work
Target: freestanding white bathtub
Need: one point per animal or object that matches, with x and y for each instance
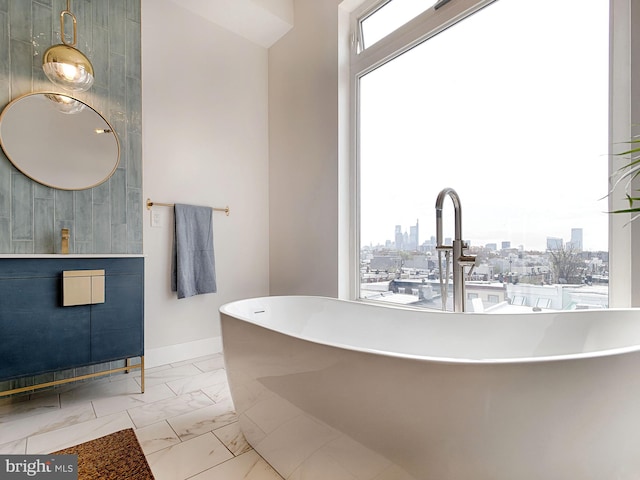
(330, 389)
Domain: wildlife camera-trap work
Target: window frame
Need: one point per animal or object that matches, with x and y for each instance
(624, 82)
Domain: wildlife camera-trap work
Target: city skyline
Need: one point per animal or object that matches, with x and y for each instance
(575, 239)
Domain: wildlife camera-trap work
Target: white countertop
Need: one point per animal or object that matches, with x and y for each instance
(71, 255)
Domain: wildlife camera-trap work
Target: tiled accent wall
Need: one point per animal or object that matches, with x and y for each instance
(107, 218)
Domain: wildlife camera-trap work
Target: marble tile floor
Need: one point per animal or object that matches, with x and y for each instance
(185, 421)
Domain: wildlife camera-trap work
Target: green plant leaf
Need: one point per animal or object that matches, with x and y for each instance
(627, 210)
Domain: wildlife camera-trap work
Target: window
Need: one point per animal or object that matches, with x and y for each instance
(493, 298)
(519, 300)
(543, 303)
(507, 103)
(386, 17)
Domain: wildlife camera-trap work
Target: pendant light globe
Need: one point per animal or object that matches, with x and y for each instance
(68, 68)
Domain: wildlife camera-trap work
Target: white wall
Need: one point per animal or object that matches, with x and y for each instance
(205, 142)
(303, 149)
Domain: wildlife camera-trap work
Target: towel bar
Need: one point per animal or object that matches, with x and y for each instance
(157, 204)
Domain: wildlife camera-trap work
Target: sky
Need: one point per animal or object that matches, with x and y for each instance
(509, 108)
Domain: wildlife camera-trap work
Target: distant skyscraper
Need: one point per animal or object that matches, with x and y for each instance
(554, 243)
(576, 239)
(414, 240)
(506, 245)
(398, 237)
(491, 246)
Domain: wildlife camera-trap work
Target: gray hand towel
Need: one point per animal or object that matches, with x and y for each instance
(193, 269)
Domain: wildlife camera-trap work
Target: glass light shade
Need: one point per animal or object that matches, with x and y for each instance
(65, 104)
(68, 68)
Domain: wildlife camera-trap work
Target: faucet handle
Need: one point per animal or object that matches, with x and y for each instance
(467, 260)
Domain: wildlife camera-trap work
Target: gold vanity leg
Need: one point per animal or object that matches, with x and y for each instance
(142, 374)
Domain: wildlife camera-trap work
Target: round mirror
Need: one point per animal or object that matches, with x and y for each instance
(59, 141)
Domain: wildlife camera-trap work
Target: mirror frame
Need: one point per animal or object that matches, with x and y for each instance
(45, 182)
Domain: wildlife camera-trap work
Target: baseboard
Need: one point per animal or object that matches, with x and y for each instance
(155, 357)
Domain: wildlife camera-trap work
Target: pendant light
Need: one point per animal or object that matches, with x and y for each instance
(65, 65)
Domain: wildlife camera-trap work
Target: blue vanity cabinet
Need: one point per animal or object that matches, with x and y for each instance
(39, 335)
(114, 332)
(35, 334)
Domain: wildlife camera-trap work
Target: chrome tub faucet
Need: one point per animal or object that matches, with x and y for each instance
(460, 259)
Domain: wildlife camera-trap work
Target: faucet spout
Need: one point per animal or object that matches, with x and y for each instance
(460, 259)
(457, 209)
(64, 244)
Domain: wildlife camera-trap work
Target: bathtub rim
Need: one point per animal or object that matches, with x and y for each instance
(225, 310)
